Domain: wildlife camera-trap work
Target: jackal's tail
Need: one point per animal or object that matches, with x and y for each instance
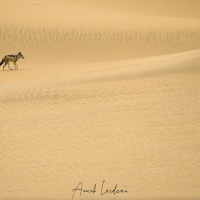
(3, 60)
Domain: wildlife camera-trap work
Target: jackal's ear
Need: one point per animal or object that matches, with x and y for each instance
(19, 52)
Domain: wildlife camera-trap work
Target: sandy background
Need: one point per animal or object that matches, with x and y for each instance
(108, 90)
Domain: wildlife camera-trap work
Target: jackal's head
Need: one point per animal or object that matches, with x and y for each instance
(20, 55)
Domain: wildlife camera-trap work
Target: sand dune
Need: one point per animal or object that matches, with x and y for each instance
(46, 46)
(71, 35)
(59, 87)
(146, 7)
(108, 91)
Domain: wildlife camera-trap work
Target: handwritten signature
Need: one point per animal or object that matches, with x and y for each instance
(103, 191)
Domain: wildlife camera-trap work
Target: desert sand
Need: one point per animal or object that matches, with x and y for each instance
(108, 90)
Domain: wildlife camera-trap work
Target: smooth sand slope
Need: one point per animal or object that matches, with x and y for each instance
(108, 90)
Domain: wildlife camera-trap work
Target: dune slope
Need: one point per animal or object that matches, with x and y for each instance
(108, 91)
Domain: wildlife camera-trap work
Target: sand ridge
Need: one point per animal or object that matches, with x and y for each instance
(108, 91)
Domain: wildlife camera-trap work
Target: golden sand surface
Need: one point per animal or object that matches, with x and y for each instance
(108, 90)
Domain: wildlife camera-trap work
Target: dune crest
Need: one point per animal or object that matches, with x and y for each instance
(108, 91)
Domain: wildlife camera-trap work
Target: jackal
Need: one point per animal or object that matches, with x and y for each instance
(11, 58)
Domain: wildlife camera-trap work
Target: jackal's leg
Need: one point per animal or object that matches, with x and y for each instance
(16, 66)
(9, 66)
(6, 63)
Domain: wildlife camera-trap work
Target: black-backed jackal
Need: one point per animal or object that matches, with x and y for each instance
(11, 58)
